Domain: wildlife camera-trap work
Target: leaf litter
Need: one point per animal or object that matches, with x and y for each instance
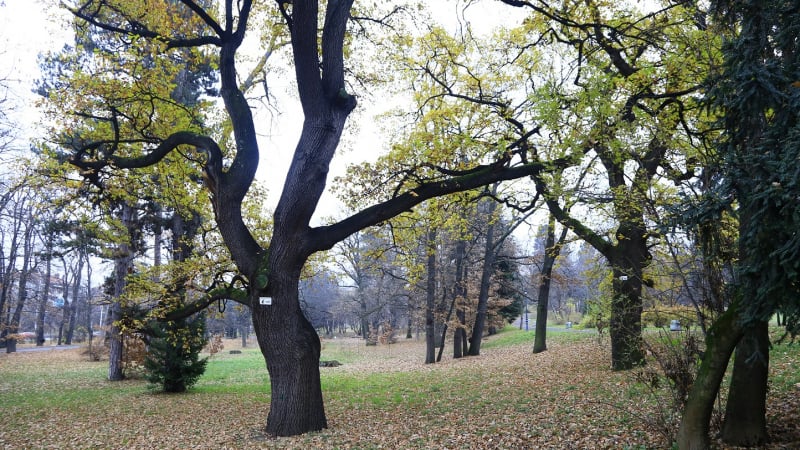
(382, 397)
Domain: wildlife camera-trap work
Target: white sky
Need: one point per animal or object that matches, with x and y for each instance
(27, 27)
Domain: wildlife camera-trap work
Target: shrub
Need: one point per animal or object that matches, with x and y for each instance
(134, 352)
(598, 312)
(661, 316)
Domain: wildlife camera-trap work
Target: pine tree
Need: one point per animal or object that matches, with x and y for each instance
(173, 361)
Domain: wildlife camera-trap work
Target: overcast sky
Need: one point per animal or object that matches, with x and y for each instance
(31, 27)
(27, 28)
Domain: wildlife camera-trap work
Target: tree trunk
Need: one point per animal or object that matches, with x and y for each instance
(65, 292)
(628, 260)
(42, 307)
(245, 332)
(73, 308)
(114, 335)
(22, 294)
(430, 300)
(410, 321)
(459, 297)
(626, 322)
(291, 348)
(550, 255)
(13, 326)
(364, 314)
(89, 327)
(721, 339)
(123, 263)
(745, 423)
(489, 255)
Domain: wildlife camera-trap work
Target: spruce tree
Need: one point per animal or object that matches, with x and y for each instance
(173, 359)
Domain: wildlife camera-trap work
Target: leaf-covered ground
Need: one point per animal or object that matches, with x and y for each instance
(381, 397)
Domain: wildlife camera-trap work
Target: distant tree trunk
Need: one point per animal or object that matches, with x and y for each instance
(409, 323)
(42, 307)
(89, 327)
(430, 300)
(489, 255)
(364, 316)
(459, 296)
(8, 265)
(550, 255)
(73, 308)
(445, 325)
(721, 339)
(22, 293)
(745, 423)
(244, 326)
(13, 325)
(65, 304)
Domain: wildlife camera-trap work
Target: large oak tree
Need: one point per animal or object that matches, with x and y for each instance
(131, 142)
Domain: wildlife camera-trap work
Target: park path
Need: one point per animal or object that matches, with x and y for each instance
(45, 348)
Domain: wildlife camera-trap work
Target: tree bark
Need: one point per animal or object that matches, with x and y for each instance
(542, 302)
(489, 254)
(364, 316)
(745, 423)
(430, 300)
(123, 263)
(721, 339)
(42, 307)
(73, 307)
(459, 297)
(291, 348)
(628, 260)
(22, 287)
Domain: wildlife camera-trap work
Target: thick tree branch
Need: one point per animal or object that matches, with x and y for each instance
(150, 158)
(91, 12)
(323, 238)
(304, 31)
(203, 15)
(333, 31)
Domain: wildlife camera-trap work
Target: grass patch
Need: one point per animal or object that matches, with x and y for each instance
(235, 373)
(511, 335)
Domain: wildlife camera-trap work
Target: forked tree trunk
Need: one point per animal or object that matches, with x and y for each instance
(721, 339)
(745, 422)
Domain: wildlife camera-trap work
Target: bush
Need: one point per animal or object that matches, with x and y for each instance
(134, 352)
(172, 360)
(598, 313)
(661, 316)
